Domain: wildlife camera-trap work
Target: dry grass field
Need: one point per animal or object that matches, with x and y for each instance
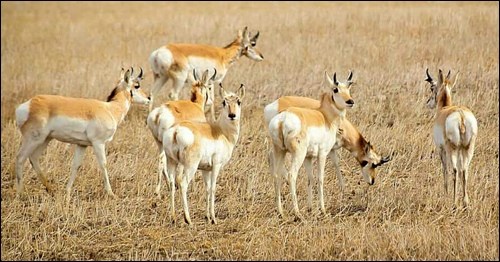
(77, 50)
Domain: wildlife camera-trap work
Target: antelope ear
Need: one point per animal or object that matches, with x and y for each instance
(241, 91)
(368, 147)
(204, 77)
(245, 35)
(328, 78)
(222, 92)
(122, 73)
(126, 77)
(440, 77)
(456, 79)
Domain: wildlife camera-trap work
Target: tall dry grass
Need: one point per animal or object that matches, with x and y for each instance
(77, 49)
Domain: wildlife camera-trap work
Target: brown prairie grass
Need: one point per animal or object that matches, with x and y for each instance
(77, 49)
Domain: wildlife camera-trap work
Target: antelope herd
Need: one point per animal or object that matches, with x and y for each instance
(188, 141)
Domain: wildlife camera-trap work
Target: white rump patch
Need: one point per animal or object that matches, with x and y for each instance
(270, 111)
(160, 60)
(184, 136)
(452, 128)
(291, 124)
(22, 113)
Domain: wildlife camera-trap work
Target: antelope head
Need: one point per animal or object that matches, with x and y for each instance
(439, 87)
(231, 103)
(133, 84)
(205, 85)
(370, 162)
(341, 91)
(248, 44)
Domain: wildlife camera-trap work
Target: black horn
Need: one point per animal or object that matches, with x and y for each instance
(140, 74)
(349, 78)
(255, 37)
(429, 78)
(215, 73)
(194, 75)
(335, 79)
(385, 159)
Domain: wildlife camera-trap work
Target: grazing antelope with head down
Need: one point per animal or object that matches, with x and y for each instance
(208, 147)
(166, 115)
(455, 132)
(306, 134)
(80, 121)
(349, 138)
(175, 61)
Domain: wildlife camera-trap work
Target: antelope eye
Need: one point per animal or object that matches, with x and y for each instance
(137, 86)
(253, 44)
(239, 102)
(224, 103)
(363, 163)
(335, 90)
(374, 165)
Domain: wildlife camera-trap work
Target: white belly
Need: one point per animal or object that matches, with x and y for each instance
(320, 141)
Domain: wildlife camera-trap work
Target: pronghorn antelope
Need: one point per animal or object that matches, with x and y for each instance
(349, 138)
(307, 134)
(175, 61)
(80, 121)
(191, 146)
(164, 116)
(455, 131)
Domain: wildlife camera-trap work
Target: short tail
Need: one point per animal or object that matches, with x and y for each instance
(462, 129)
(281, 135)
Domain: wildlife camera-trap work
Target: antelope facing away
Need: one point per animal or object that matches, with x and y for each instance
(175, 61)
(171, 112)
(307, 134)
(349, 137)
(454, 132)
(208, 147)
(80, 121)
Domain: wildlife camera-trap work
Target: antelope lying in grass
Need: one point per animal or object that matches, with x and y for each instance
(175, 61)
(455, 132)
(166, 115)
(349, 137)
(80, 121)
(208, 147)
(306, 134)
